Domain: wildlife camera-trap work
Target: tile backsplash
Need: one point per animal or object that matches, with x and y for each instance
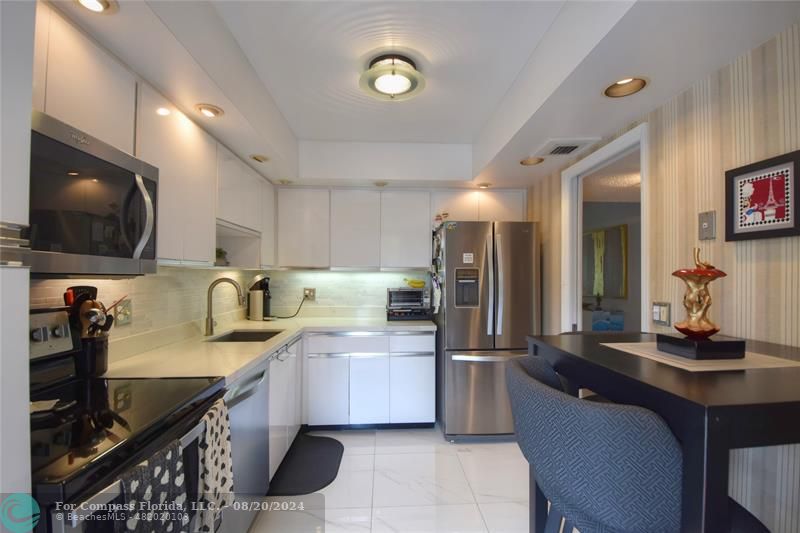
(171, 305)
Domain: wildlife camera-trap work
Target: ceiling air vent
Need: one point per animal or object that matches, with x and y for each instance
(563, 147)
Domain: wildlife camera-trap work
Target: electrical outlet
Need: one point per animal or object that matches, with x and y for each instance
(661, 313)
(123, 314)
(310, 294)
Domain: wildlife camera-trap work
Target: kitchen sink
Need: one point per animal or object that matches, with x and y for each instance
(246, 335)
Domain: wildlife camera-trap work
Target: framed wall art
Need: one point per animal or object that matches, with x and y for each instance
(761, 199)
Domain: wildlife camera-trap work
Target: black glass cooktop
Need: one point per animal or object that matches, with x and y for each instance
(79, 423)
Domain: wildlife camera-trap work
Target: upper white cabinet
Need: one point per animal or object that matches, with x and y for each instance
(502, 206)
(17, 53)
(88, 88)
(459, 205)
(405, 229)
(303, 227)
(239, 193)
(186, 159)
(355, 228)
(267, 224)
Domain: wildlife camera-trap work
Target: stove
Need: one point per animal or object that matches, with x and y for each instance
(86, 432)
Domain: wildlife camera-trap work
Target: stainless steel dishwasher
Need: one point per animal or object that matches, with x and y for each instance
(248, 409)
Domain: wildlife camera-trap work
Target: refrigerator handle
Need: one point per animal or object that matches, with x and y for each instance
(490, 270)
(500, 284)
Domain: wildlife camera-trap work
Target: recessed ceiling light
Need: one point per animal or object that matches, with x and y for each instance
(381, 183)
(163, 111)
(259, 158)
(209, 110)
(484, 185)
(530, 161)
(72, 174)
(392, 77)
(95, 6)
(285, 182)
(625, 87)
(95, 180)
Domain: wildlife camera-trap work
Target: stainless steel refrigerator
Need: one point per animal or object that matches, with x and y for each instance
(490, 302)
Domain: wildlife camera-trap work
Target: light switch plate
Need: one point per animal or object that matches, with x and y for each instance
(707, 226)
(661, 313)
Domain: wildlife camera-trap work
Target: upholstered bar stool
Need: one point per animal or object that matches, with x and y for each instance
(603, 467)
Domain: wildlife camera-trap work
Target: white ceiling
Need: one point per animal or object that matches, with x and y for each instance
(310, 56)
(619, 181)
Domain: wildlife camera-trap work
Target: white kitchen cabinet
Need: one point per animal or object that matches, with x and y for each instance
(239, 193)
(294, 398)
(87, 87)
(303, 227)
(355, 228)
(327, 392)
(279, 373)
(405, 229)
(40, 37)
(267, 224)
(369, 389)
(16, 62)
(459, 205)
(412, 389)
(186, 159)
(502, 206)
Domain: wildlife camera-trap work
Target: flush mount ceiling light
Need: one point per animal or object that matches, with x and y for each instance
(392, 77)
(484, 185)
(99, 6)
(259, 158)
(209, 110)
(625, 87)
(530, 161)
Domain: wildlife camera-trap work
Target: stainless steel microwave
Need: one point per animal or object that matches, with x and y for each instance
(92, 207)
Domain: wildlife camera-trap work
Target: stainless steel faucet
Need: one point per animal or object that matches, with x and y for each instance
(210, 315)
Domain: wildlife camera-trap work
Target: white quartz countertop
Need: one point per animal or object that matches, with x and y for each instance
(198, 358)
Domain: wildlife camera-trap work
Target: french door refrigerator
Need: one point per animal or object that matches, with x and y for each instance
(490, 302)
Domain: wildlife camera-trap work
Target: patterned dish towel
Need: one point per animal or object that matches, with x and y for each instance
(159, 481)
(216, 468)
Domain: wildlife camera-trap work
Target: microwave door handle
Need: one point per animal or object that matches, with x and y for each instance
(124, 216)
(500, 283)
(149, 220)
(490, 270)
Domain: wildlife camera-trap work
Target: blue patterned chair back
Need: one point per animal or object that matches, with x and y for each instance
(604, 467)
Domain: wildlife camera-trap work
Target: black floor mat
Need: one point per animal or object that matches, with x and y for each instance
(311, 464)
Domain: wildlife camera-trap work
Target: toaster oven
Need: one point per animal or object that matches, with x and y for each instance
(408, 304)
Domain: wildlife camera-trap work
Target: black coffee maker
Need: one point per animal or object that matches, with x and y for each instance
(259, 299)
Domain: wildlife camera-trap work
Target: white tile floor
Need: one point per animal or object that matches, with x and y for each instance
(413, 481)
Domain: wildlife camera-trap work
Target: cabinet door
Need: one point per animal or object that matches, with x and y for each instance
(355, 228)
(230, 185)
(186, 159)
(327, 394)
(502, 206)
(278, 390)
(16, 64)
(303, 227)
(413, 389)
(459, 205)
(267, 224)
(87, 87)
(405, 229)
(369, 390)
(251, 215)
(294, 397)
(40, 37)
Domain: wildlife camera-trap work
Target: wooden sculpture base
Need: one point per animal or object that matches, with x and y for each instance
(720, 347)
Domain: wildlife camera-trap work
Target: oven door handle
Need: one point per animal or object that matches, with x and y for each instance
(149, 220)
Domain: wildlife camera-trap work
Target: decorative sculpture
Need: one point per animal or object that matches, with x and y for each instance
(697, 299)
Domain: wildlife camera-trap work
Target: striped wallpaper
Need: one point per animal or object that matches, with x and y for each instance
(744, 112)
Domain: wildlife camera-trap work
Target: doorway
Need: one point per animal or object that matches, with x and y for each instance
(611, 229)
(629, 145)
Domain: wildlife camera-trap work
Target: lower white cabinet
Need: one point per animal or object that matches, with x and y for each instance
(278, 405)
(327, 390)
(412, 389)
(369, 389)
(294, 395)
